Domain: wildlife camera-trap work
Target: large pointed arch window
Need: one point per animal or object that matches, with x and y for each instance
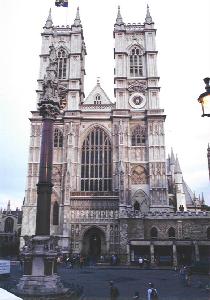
(136, 62)
(62, 64)
(9, 225)
(96, 167)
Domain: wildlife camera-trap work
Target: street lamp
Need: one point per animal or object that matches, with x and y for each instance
(204, 99)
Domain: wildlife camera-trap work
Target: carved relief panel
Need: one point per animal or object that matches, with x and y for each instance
(138, 175)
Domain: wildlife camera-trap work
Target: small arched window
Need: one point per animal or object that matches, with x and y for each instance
(97, 99)
(58, 138)
(154, 233)
(136, 206)
(171, 233)
(9, 225)
(138, 136)
(208, 233)
(62, 64)
(136, 63)
(55, 213)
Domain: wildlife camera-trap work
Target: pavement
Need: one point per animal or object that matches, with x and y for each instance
(94, 282)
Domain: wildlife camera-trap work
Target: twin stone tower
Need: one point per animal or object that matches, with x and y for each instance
(114, 190)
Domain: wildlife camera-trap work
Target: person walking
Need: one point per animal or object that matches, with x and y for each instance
(114, 292)
(152, 293)
(141, 262)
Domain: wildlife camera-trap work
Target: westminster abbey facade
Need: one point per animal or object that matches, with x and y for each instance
(114, 192)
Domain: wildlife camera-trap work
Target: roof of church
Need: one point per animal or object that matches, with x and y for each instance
(97, 98)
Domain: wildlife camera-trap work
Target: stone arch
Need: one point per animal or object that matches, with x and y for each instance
(141, 197)
(90, 128)
(93, 242)
(135, 44)
(64, 48)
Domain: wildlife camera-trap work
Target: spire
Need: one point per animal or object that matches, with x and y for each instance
(202, 199)
(8, 206)
(148, 18)
(119, 20)
(172, 160)
(49, 22)
(177, 167)
(77, 21)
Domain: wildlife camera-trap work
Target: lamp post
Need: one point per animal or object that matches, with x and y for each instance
(204, 99)
(39, 253)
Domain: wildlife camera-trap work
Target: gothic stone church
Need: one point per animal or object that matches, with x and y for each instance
(115, 192)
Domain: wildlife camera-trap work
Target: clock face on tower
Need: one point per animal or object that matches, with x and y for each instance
(137, 100)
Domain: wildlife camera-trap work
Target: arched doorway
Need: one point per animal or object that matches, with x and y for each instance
(94, 243)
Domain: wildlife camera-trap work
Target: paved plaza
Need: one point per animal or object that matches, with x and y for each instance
(95, 281)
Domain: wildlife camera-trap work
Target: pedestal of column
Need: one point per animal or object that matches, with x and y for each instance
(40, 268)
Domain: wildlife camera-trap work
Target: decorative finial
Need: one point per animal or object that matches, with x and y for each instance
(49, 22)
(177, 167)
(98, 80)
(172, 160)
(77, 21)
(119, 20)
(148, 18)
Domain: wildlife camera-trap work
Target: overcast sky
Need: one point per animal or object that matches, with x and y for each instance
(183, 42)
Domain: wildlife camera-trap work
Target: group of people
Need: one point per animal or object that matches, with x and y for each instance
(72, 261)
(152, 293)
(79, 260)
